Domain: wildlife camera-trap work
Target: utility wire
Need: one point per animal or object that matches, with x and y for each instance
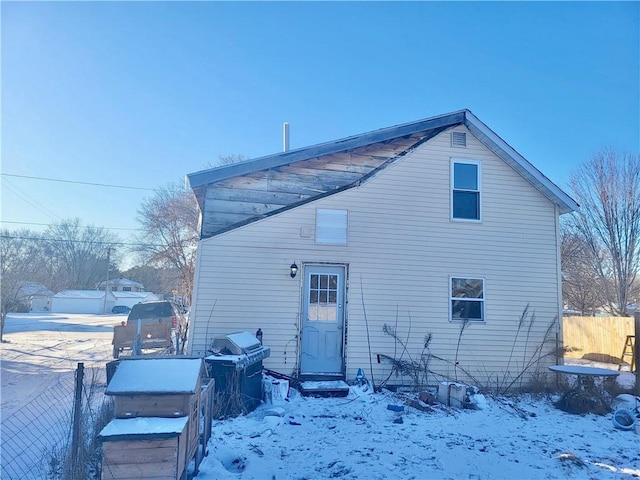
(17, 237)
(28, 199)
(86, 226)
(78, 182)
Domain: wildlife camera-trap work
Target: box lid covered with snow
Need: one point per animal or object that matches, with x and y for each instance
(235, 343)
(159, 376)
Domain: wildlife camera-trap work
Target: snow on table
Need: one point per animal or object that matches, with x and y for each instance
(586, 371)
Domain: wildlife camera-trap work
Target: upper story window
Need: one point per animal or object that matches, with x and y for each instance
(465, 190)
(331, 226)
(467, 299)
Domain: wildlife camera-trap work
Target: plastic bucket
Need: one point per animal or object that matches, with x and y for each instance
(623, 419)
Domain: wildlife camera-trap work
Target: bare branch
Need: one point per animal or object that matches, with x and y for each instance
(608, 223)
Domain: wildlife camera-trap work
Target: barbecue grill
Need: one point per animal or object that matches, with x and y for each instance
(236, 366)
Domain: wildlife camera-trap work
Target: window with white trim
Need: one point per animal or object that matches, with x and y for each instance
(465, 190)
(467, 299)
(331, 226)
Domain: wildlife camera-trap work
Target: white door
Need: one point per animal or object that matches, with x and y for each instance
(322, 320)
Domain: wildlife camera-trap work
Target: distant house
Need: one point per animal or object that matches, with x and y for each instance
(121, 285)
(129, 299)
(82, 301)
(92, 301)
(351, 252)
(33, 296)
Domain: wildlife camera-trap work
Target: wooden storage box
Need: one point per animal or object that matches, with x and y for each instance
(156, 431)
(145, 447)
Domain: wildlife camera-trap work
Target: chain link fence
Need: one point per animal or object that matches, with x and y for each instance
(35, 440)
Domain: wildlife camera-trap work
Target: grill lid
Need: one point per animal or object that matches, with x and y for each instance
(235, 343)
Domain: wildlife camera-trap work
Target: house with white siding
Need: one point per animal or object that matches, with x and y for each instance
(423, 240)
(121, 285)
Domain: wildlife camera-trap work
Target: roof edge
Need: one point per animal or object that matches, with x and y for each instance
(205, 177)
(522, 165)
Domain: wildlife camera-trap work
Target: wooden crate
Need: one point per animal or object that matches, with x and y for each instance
(146, 448)
(157, 414)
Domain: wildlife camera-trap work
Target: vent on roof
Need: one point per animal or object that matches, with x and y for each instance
(459, 139)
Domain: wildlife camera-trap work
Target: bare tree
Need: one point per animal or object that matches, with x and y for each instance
(78, 253)
(579, 280)
(169, 222)
(608, 189)
(154, 279)
(21, 268)
(228, 159)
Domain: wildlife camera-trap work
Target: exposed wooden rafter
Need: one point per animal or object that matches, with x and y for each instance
(241, 193)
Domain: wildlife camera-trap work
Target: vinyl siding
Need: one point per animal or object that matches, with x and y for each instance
(402, 250)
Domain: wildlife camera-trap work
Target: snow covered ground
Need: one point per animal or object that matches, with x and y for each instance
(356, 437)
(359, 437)
(38, 358)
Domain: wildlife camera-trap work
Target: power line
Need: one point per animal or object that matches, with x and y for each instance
(99, 242)
(78, 182)
(86, 226)
(28, 199)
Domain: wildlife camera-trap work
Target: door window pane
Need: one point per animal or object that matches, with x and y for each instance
(323, 298)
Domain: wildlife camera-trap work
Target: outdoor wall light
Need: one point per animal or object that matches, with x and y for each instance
(294, 270)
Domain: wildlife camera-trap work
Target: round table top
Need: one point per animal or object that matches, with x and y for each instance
(581, 370)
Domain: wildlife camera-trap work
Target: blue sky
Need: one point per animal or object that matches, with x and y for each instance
(140, 94)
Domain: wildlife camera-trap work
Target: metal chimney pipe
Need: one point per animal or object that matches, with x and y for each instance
(285, 137)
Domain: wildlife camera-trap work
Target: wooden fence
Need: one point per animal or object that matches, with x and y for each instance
(596, 338)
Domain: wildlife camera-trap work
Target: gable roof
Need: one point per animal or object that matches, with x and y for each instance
(271, 184)
(31, 289)
(120, 282)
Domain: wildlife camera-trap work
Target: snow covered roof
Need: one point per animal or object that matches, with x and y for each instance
(28, 289)
(156, 375)
(125, 282)
(80, 294)
(140, 295)
(144, 427)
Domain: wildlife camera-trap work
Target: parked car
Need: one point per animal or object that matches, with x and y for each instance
(162, 311)
(158, 311)
(120, 309)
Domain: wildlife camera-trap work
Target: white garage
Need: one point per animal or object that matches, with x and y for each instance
(81, 301)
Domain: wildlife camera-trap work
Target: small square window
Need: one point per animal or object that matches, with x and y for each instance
(331, 226)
